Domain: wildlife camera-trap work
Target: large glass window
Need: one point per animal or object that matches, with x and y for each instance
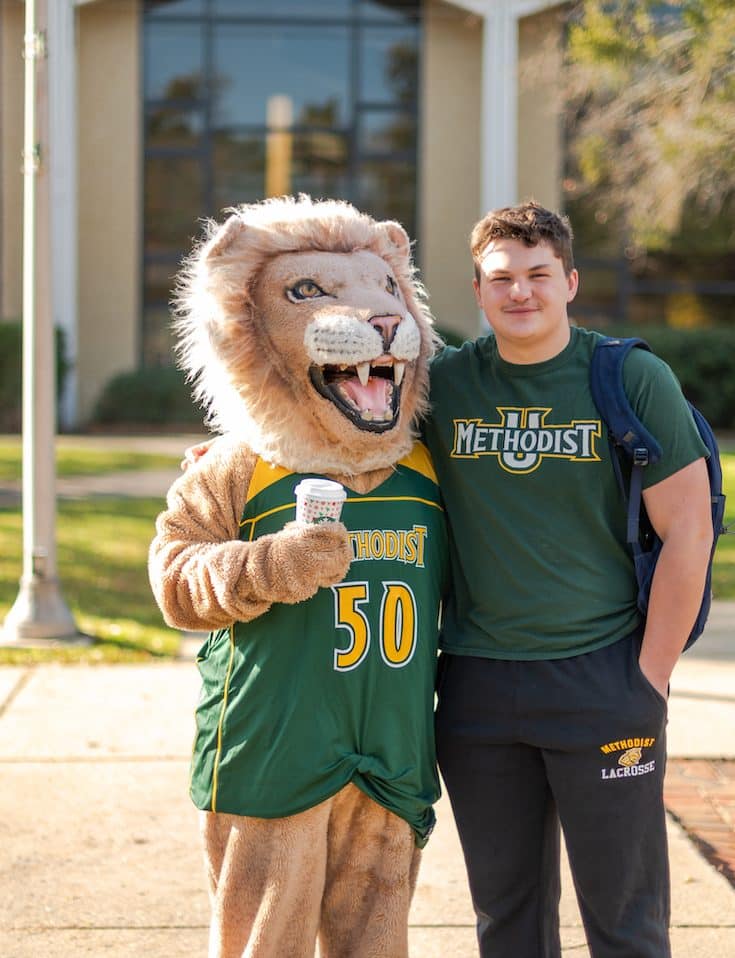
(245, 100)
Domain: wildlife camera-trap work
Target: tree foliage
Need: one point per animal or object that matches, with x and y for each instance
(650, 90)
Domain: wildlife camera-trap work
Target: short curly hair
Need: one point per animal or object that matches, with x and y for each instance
(529, 223)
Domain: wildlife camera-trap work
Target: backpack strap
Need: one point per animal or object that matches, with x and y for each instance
(625, 429)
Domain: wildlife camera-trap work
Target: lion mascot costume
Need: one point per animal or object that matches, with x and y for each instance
(308, 337)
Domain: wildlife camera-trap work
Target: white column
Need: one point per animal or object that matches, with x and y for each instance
(499, 119)
(499, 122)
(62, 150)
(278, 145)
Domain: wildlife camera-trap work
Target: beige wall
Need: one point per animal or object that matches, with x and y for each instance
(449, 161)
(11, 148)
(539, 122)
(450, 145)
(110, 194)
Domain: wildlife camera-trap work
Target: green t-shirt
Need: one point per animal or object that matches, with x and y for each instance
(540, 565)
(340, 688)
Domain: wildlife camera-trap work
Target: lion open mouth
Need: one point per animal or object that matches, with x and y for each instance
(368, 395)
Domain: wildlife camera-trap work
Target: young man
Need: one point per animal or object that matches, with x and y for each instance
(552, 694)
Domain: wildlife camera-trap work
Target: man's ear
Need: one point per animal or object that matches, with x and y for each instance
(572, 285)
(476, 288)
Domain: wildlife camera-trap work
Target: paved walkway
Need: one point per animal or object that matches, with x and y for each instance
(700, 779)
(98, 842)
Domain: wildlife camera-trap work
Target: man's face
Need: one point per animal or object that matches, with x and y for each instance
(524, 293)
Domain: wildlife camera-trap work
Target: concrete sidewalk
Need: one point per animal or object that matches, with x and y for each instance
(100, 853)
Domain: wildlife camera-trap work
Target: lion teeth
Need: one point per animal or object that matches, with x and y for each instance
(398, 370)
(368, 415)
(363, 372)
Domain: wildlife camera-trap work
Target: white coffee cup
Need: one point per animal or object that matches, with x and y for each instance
(319, 500)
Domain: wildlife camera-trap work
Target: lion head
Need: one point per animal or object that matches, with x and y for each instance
(305, 330)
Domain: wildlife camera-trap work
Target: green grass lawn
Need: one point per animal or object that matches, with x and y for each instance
(102, 548)
(723, 572)
(78, 461)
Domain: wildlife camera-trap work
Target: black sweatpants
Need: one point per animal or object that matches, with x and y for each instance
(525, 745)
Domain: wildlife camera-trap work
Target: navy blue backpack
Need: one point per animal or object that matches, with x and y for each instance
(631, 442)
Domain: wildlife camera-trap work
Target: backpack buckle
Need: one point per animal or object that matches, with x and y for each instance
(640, 457)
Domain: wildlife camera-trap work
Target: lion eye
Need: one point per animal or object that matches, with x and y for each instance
(304, 289)
(391, 286)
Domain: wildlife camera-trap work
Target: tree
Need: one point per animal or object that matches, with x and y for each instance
(650, 90)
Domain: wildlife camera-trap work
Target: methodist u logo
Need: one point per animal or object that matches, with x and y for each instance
(523, 438)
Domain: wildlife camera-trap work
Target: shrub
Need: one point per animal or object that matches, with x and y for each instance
(704, 362)
(149, 396)
(11, 373)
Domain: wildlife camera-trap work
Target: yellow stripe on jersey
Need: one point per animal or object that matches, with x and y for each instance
(265, 475)
(290, 505)
(420, 461)
(254, 519)
(223, 712)
(426, 502)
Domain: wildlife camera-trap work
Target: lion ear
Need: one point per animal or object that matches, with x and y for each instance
(223, 238)
(397, 236)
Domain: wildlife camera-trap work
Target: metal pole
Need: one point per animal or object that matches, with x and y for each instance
(63, 189)
(39, 611)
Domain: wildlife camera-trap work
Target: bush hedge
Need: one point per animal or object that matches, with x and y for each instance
(703, 360)
(11, 373)
(150, 396)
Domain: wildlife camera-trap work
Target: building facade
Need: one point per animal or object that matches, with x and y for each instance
(427, 112)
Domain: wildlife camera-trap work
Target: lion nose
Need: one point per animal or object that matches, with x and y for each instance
(386, 326)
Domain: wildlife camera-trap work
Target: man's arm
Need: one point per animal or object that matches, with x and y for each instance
(679, 510)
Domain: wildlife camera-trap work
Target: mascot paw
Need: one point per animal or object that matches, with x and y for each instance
(310, 557)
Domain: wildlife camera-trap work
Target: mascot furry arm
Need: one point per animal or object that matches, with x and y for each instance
(204, 577)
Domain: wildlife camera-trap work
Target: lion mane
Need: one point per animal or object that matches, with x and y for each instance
(260, 388)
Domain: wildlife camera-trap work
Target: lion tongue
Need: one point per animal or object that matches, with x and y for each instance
(373, 397)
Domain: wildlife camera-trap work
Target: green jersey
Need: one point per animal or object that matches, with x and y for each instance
(540, 565)
(308, 697)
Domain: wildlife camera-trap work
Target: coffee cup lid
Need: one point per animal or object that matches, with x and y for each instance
(320, 489)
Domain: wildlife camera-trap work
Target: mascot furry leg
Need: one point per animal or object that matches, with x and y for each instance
(313, 764)
(275, 883)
